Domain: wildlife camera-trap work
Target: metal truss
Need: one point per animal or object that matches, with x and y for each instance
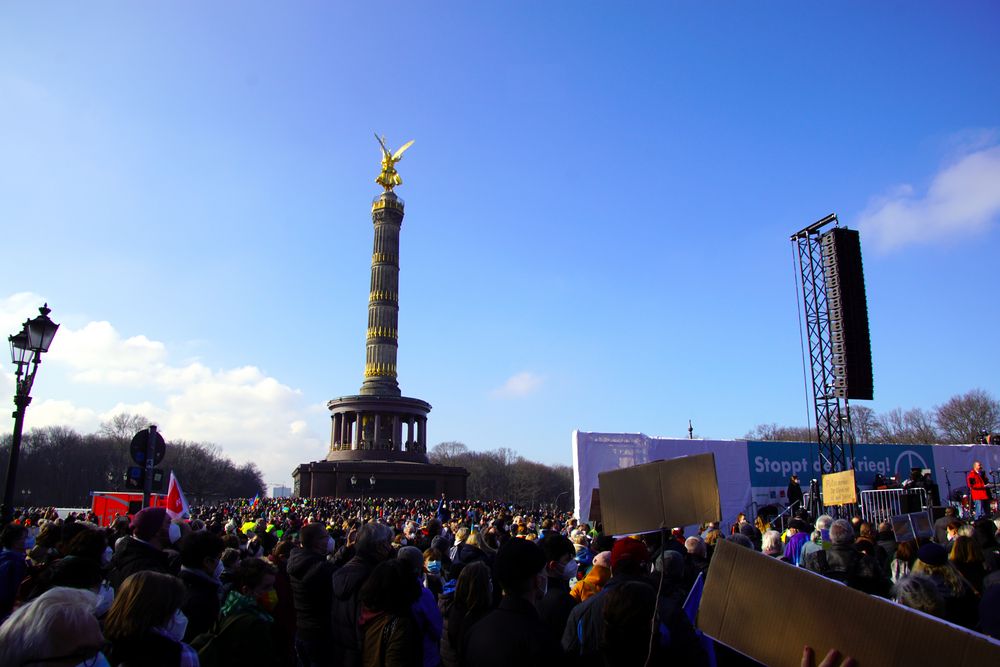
(833, 420)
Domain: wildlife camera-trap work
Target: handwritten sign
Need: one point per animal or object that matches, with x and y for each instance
(839, 488)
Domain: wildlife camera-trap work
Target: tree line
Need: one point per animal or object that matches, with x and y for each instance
(959, 420)
(502, 474)
(59, 467)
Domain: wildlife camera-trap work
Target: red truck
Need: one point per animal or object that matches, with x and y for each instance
(108, 505)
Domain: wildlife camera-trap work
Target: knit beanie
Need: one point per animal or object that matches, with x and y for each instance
(148, 522)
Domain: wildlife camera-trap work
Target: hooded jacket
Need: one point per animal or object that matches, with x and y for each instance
(591, 584)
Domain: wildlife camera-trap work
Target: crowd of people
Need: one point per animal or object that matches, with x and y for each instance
(424, 583)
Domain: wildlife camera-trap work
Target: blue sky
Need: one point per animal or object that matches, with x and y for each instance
(599, 201)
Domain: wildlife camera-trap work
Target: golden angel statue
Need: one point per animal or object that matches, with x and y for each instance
(388, 178)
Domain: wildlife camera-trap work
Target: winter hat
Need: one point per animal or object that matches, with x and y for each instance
(517, 561)
(933, 554)
(148, 522)
(413, 557)
(630, 548)
(603, 559)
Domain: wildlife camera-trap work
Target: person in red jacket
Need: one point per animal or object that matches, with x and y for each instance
(977, 482)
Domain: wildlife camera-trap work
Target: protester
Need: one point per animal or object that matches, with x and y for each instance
(13, 565)
(902, 561)
(771, 544)
(201, 566)
(919, 592)
(472, 599)
(959, 598)
(311, 575)
(390, 636)
(56, 628)
(143, 550)
(145, 624)
(798, 536)
(560, 567)
(284, 610)
(842, 562)
(374, 545)
(967, 557)
(941, 525)
(513, 633)
(425, 610)
(244, 634)
(626, 640)
(599, 574)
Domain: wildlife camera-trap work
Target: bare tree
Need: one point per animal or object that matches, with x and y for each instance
(446, 453)
(776, 433)
(912, 427)
(123, 426)
(864, 421)
(962, 418)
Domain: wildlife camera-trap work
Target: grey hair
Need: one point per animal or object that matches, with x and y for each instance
(695, 545)
(371, 536)
(741, 540)
(671, 562)
(919, 591)
(823, 522)
(841, 532)
(31, 633)
(771, 542)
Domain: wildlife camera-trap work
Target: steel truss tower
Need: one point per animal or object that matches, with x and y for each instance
(833, 416)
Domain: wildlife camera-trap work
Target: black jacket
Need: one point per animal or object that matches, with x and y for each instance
(511, 634)
(134, 556)
(150, 650)
(311, 576)
(201, 602)
(555, 606)
(345, 610)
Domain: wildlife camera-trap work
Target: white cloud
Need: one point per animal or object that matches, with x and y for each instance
(518, 385)
(250, 415)
(962, 200)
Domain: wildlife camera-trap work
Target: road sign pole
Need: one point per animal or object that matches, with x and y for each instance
(147, 482)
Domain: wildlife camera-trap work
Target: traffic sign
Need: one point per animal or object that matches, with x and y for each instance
(139, 444)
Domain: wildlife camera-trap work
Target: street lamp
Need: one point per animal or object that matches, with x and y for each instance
(371, 480)
(26, 348)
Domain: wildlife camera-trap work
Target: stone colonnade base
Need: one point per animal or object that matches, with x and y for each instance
(393, 479)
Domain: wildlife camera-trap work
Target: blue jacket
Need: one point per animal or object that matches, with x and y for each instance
(12, 570)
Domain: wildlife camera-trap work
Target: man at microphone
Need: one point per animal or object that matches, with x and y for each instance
(978, 489)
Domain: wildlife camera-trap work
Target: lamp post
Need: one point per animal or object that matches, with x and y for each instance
(26, 348)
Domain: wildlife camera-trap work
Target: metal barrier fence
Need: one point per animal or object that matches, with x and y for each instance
(883, 504)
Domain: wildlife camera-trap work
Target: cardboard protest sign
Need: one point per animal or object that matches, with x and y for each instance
(595, 506)
(679, 492)
(769, 610)
(839, 488)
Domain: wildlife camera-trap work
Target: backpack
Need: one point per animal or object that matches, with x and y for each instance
(214, 646)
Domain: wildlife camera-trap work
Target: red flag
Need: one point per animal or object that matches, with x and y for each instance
(177, 506)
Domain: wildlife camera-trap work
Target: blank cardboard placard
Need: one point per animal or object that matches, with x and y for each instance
(679, 492)
(595, 506)
(902, 529)
(769, 610)
(922, 527)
